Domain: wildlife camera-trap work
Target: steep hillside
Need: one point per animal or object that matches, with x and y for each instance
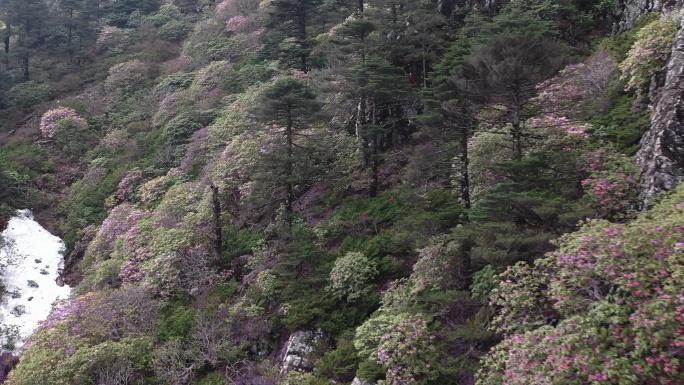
(330, 191)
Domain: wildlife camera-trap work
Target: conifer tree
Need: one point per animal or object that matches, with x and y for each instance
(293, 18)
(288, 108)
(382, 90)
(26, 20)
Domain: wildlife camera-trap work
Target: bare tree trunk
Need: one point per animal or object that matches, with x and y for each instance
(464, 178)
(216, 207)
(289, 170)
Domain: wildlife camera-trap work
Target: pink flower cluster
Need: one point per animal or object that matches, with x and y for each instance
(234, 23)
(121, 219)
(49, 120)
(611, 185)
(406, 352)
(127, 186)
(619, 297)
(576, 85)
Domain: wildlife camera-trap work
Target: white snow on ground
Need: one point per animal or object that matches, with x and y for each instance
(29, 262)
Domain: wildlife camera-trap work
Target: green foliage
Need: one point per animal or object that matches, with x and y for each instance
(28, 94)
(622, 125)
(339, 365)
(22, 163)
(175, 82)
(351, 275)
(178, 130)
(484, 282)
(211, 379)
(73, 137)
(174, 30)
(223, 292)
(615, 299)
(177, 319)
(79, 363)
(648, 55)
(370, 370)
(85, 205)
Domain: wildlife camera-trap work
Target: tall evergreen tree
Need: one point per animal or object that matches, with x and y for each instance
(288, 107)
(24, 19)
(294, 18)
(383, 90)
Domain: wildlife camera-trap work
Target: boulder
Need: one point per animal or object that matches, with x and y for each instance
(298, 349)
(661, 156)
(360, 381)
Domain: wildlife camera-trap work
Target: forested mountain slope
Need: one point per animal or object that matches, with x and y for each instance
(369, 191)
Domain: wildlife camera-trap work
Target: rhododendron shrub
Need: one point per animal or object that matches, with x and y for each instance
(120, 220)
(437, 267)
(112, 39)
(126, 77)
(126, 190)
(648, 55)
(612, 184)
(606, 307)
(578, 87)
(351, 276)
(50, 119)
(407, 352)
(89, 336)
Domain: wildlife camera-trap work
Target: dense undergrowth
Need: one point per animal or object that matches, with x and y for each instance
(414, 182)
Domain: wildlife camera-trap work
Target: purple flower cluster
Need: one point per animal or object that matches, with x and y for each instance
(127, 186)
(49, 120)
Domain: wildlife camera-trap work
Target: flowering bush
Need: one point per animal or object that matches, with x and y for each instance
(577, 85)
(648, 55)
(235, 23)
(437, 267)
(351, 275)
(407, 351)
(616, 294)
(112, 39)
(558, 132)
(369, 334)
(125, 191)
(127, 76)
(120, 220)
(93, 333)
(49, 120)
(612, 186)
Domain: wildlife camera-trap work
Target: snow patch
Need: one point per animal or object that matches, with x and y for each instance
(30, 259)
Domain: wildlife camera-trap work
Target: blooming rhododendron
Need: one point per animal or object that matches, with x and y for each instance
(49, 120)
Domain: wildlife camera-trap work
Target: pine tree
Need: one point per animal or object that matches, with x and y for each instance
(504, 68)
(287, 108)
(293, 18)
(382, 91)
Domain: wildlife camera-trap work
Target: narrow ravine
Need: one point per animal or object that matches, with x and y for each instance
(30, 260)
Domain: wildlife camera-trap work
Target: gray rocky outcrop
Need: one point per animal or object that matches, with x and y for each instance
(626, 13)
(361, 381)
(298, 349)
(661, 156)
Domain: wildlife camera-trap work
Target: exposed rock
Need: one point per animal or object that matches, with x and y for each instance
(360, 381)
(626, 13)
(298, 349)
(661, 156)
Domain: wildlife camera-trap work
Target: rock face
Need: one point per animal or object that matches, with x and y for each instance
(661, 157)
(626, 13)
(299, 346)
(359, 381)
